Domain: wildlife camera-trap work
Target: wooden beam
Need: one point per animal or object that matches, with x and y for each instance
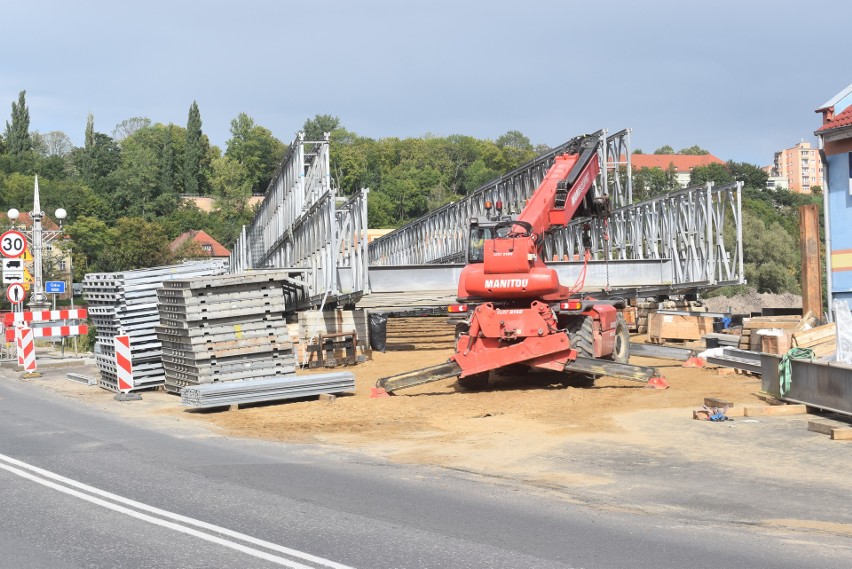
(809, 244)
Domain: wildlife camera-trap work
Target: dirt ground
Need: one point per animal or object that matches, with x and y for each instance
(503, 431)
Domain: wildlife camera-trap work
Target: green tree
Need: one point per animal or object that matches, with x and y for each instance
(316, 127)
(751, 176)
(136, 243)
(717, 173)
(90, 132)
(256, 149)
(664, 150)
(694, 151)
(17, 137)
(193, 152)
(229, 184)
(97, 161)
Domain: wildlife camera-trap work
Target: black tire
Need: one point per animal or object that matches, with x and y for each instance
(582, 336)
(477, 381)
(621, 346)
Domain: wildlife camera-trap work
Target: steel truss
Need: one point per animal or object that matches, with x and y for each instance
(440, 236)
(699, 229)
(301, 225)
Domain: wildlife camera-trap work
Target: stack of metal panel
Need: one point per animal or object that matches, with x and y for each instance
(270, 389)
(126, 303)
(224, 329)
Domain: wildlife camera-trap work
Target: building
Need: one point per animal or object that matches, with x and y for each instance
(835, 143)
(683, 164)
(199, 242)
(801, 167)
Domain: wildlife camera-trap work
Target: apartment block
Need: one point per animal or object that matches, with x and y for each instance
(800, 165)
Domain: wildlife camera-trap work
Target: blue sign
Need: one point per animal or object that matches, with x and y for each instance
(54, 287)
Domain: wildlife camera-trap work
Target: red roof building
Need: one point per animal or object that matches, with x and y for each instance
(206, 243)
(683, 163)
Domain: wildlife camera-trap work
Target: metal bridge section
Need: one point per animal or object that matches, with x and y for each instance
(302, 225)
(696, 232)
(440, 237)
(699, 229)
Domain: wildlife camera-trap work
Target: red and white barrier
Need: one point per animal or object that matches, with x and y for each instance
(52, 332)
(26, 349)
(123, 363)
(19, 349)
(10, 318)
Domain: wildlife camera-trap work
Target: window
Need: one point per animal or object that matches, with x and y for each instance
(63, 266)
(207, 247)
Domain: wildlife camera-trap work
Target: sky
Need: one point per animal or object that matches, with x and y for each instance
(739, 78)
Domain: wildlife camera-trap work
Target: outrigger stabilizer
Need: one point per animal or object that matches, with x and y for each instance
(648, 375)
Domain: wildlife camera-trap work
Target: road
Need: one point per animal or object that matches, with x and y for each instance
(81, 488)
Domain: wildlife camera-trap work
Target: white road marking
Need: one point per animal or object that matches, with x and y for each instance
(20, 468)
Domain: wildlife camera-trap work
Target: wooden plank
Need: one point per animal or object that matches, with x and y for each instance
(814, 334)
(809, 246)
(776, 410)
(842, 434)
(771, 324)
(822, 426)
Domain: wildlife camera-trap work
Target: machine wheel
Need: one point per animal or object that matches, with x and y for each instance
(474, 382)
(582, 338)
(621, 347)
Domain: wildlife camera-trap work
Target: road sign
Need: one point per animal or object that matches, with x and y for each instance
(15, 293)
(13, 265)
(54, 287)
(13, 243)
(13, 276)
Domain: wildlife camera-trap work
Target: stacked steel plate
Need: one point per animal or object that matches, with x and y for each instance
(224, 329)
(270, 389)
(126, 303)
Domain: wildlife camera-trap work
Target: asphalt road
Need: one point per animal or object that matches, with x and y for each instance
(80, 488)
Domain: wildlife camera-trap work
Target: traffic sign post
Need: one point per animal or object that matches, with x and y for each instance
(54, 287)
(15, 293)
(13, 244)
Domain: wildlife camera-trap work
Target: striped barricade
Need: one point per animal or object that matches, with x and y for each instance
(123, 363)
(52, 332)
(12, 318)
(26, 348)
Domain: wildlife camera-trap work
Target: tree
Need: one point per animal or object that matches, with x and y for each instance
(316, 127)
(716, 173)
(193, 152)
(167, 164)
(18, 139)
(230, 184)
(652, 182)
(97, 161)
(53, 143)
(664, 150)
(751, 176)
(694, 151)
(256, 149)
(514, 139)
(90, 132)
(128, 127)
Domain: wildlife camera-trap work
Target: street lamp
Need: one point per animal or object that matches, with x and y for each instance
(38, 239)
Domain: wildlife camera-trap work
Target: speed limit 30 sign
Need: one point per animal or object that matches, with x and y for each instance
(13, 243)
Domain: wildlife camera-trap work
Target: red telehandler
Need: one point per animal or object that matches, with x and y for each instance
(518, 311)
